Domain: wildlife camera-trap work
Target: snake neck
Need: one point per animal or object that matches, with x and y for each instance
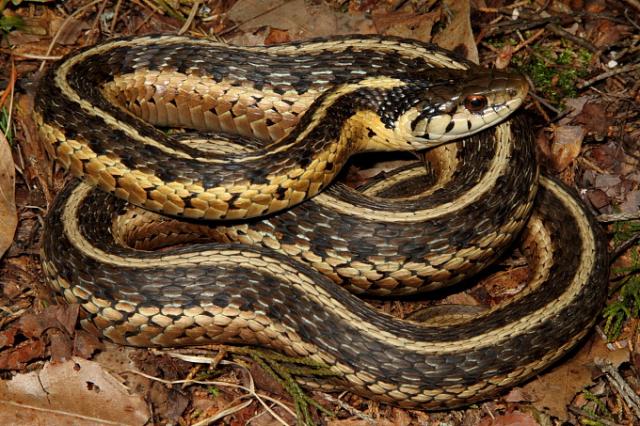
(154, 170)
(108, 144)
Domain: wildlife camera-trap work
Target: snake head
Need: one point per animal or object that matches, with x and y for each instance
(452, 104)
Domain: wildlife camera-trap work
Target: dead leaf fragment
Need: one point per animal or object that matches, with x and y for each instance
(514, 418)
(503, 58)
(598, 198)
(566, 145)
(276, 36)
(77, 392)
(17, 357)
(554, 390)
(51, 329)
(594, 119)
(299, 18)
(8, 212)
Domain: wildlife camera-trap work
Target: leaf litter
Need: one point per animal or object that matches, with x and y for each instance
(590, 136)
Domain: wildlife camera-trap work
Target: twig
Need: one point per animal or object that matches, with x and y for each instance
(618, 217)
(39, 57)
(14, 77)
(577, 40)
(506, 9)
(250, 390)
(191, 17)
(145, 20)
(96, 21)
(591, 416)
(55, 38)
(621, 70)
(620, 385)
(114, 20)
(541, 100)
(527, 22)
(224, 413)
(525, 43)
(624, 246)
(353, 411)
(631, 21)
(633, 3)
(544, 102)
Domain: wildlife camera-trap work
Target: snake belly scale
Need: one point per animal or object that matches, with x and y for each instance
(311, 105)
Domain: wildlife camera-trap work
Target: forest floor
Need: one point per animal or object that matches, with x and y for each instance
(583, 62)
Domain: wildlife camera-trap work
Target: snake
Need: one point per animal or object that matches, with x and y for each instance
(289, 244)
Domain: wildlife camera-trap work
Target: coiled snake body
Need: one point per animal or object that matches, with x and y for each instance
(319, 102)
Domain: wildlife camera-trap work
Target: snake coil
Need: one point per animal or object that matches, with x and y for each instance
(300, 111)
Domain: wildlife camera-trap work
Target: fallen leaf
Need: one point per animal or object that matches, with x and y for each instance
(405, 24)
(458, 35)
(54, 327)
(8, 212)
(61, 317)
(276, 36)
(567, 141)
(86, 344)
(516, 395)
(77, 392)
(299, 18)
(596, 6)
(61, 346)
(503, 58)
(631, 202)
(605, 33)
(169, 402)
(598, 198)
(553, 391)
(266, 381)
(574, 107)
(17, 357)
(71, 32)
(515, 418)
(593, 118)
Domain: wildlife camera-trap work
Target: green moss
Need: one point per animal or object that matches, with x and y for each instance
(499, 43)
(5, 126)
(213, 391)
(627, 304)
(554, 73)
(9, 23)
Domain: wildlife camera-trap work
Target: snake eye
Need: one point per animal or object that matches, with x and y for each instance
(475, 103)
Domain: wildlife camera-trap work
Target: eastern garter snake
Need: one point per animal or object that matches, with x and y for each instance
(359, 93)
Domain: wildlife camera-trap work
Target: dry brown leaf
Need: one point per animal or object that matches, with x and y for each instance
(452, 17)
(598, 198)
(503, 58)
(515, 418)
(407, 24)
(299, 18)
(458, 35)
(61, 317)
(86, 344)
(277, 36)
(554, 390)
(77, 392)
(356, 422)
(8, 212)
(566, 145)
(594, 119)
(18, 356)
(50, 329)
